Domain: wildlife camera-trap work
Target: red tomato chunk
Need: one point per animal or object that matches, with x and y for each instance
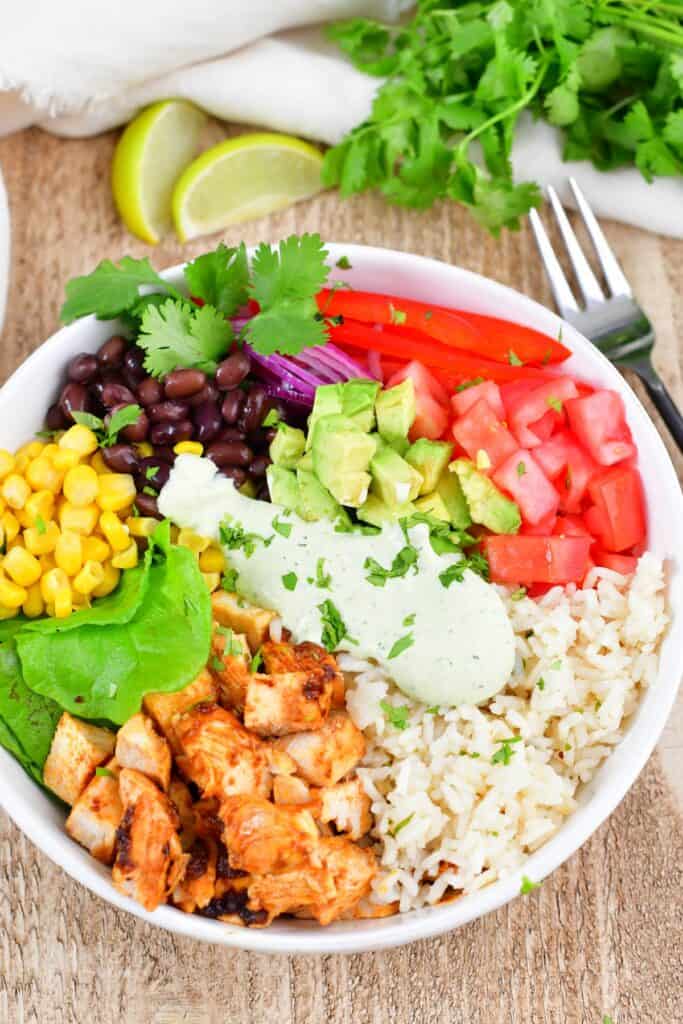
(480, 430)
(527, 560)
(599, 422)
(522, 477)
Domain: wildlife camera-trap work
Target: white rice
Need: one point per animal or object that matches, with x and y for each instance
(583, 658)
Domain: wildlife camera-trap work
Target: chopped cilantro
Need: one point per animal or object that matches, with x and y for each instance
(334, 628)
(149, 491)
(504, 755)
(272, 419)
(556, 665)
(233, 648)
(554, 403)
(398, 316)
(216, 664)
(528, 886)
(322, 579)
(469, 384)
(229, 580)
(514, 359)
(409, 620)
(541, 683)
(396, 716)
(235, 537)
(108, 433)
(343, 263)
(405, 559)
(521, 469)
(290, 580)
(256, 662)
(476, 563)
(151, 472)
(105, 773)
(401, 645)
(395, 829)
(284, 529)
(40, 525)
(518, 594)
(434, 710)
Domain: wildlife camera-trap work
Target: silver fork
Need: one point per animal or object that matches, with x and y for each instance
(615, 324)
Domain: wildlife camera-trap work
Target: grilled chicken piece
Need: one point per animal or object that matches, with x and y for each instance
(181, 798)
(231, 670)
(76, 751)
(290, 789)
(219, 754)
(164, 708)
(326, 756)
(347, 807)
(262, 838)
(139, 746)
(149, 858)
(96, 814)
(198, 886)
(287, 702)
(305, 657)
(279, 762)
(229, 610)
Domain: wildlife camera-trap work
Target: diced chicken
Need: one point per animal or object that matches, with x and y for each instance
(262, 838)
(219, 754)
(96, 814)
(279, 762)
(139, 746)
(208, 824)
(149, 858)
(231, 670)
(326, 756)
(77, 750)
(306, 657)
(164, 708)
(287, 702)
(347, 807)
(181, 798)
(230, 610)
(290, 789)
(198, 886)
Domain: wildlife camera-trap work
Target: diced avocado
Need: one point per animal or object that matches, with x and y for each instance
(287, 446)
(429, 458)
(378, 513)
(394, 481)
(449, 490)
(358, 402)
(341, 457)
(433, 505)
(486, 503)
(306, 462)
(395, 411)
(283, 486)
(315, 501)
(248, 489)
(327, 402)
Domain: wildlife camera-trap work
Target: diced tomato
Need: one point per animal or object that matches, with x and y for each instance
(625, 564)
(543, 528)
(537, 559)
(522, 477)
(599, 422)
(512, 390)
(618, 495)
(548, 424)
(424, 381)
(488, 389)
(571, 526)
(480, 430)
(431, 416)
(570, 467)
(527, 409)
(598, 526)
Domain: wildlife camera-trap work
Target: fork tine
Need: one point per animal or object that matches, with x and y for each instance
(592, 292)
(562, 293)
(614, 275)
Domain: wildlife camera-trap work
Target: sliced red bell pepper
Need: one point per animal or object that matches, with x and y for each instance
(480, 430)
(599, 422)
(618, 494)
(522, 477)
(527, 560)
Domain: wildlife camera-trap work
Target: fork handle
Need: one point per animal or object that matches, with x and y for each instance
(666, 406)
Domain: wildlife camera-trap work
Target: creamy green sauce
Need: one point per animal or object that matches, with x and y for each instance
(455, 646)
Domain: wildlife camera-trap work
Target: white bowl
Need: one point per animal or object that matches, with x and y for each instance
(23, 402)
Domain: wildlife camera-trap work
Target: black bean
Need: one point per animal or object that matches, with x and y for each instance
(171, 433)
(168, 412)
(232, 371)
(116, 393)
(234, 473)
(259, 465)
(231, 434)
(183, 383)
(134, 360)
(269, 435)
(232, 406)
(82, 368)
(263, 494)
(122, 458)
(165, 453)
(150, 391)
(259, 439)
(137, 431)
(110, 354)
(74, 398)
(230, 453)
(209, 393)
(154, 472)
(254, 408)
(147, 505)
(207, 421)
(55, 418)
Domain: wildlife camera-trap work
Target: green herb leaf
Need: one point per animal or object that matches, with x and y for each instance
(519, 594)
(401, 645)
(514, 359)
(405, 560)
(233, 647)
(229, 580)
(469, 384)
(323, 580)
(528, 886)
(343, 263)
(290, 580)
(476, 563)
(396, 716)
(220, 278)
(40, 525)
(105, 773)
(284, 529)
(256, 662)
(216, 663)
(86, 419)
(521, 469)
(554, 403)
(541, 683)
(272, 418)
(111, 289)
(122, 418)
(395, 829)
(433, 710)
(234, 537)
(334, 628)
(409, 620)
(504, 755)
(177, 334)
(556, 665)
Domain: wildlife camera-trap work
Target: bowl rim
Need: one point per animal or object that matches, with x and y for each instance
(383, 933)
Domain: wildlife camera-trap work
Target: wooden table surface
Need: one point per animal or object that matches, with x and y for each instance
(601, 937)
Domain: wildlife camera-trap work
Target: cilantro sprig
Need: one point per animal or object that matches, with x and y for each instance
(107, 433)
(402, 562)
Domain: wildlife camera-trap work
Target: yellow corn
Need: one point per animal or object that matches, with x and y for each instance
(141, 526)
(47, 561)
(7, 613)
(3, 505)
(193, 541)
(114, 530)
(98, 464)
(90, 577)
(81, 601)
(212, 560)
(15, 491)
(69, 553)
(50, 450)
(43, 475)
(64, 604)
(79, 439)
(12, 595)
(41, 542)
(18, 542)
(10, 525)
(117, 491)
(126, 559)
(64, 459)
(80, 520)
(95, 549)
(30, 450)
(189, 448)
(110, 581)
(22, 518)
(51, 583)
(7, 463)
(23, 567)
(39, 507)
(212, 580)
(145, 449)
(81, 486)
(34, 606)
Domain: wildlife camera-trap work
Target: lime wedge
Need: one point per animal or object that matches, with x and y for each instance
(151, 153)
(244, 178)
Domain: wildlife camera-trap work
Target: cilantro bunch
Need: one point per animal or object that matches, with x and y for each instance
(609, 73)
(176, 332)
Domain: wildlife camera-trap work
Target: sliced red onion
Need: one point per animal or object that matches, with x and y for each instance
(286, 394)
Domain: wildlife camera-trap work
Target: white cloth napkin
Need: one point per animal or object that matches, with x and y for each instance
(77, 69)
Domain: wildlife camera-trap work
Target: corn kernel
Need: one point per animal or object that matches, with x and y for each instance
(43, 475)
(12, 595)
(47, 561)
(98, 464)
(212, 560)
(34, 606)
(81, 486)
(80, 520)
(110, 581)
(144, 450)
(79, 439)
(51, 583)
(212, 580)
(114, 530)
(39, 507)
(23, 518)
(141, 526)
(65, 458)
(22, 566)
(31, 450)
(193, 541)
(69, 553)
(189, 448)
(18, 542)
(41, 542)
(7, 462)
(64, 602)
(126, 559)
(90, 577)
(10, 525)
(95, 549)
(15, 491)
(3, 506)
(117, 491)
(81, 601)
(7, 613)
(50, 450)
